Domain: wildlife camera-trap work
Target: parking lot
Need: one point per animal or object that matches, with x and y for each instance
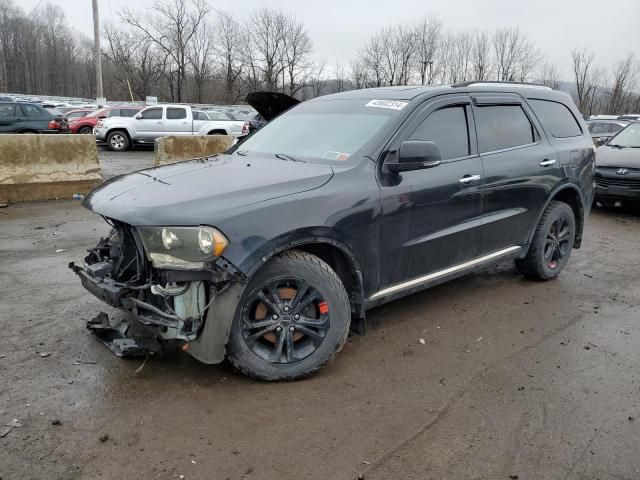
(515, 379)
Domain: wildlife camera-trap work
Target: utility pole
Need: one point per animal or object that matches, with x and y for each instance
(98, 51)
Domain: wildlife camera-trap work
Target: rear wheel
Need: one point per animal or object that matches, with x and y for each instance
(551, 245)
(85, 130)
(118, 141)
(292, 319)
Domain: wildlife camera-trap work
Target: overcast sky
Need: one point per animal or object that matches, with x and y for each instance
(338, 28)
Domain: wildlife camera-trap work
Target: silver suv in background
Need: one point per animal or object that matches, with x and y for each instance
(157, 121)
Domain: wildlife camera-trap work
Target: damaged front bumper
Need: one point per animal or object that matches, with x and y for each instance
(168, 305)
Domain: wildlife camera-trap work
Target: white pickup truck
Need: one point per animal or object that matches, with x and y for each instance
(122, 133)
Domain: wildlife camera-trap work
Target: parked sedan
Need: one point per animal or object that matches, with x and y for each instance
(618, 167)
(30, 118)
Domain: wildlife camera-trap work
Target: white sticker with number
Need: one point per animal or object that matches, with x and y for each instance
(392, 104)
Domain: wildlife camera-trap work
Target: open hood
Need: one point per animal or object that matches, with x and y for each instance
(270, 104)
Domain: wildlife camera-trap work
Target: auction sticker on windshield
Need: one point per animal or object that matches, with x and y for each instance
(392, 104)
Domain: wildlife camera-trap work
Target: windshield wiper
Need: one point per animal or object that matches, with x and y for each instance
(284, 156)
(243, 153)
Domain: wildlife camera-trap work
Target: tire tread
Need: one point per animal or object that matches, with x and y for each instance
(530, 265)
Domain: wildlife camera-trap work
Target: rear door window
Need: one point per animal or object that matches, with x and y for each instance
(556, 118)
(176, 113)
(502, 126)
(446, 127)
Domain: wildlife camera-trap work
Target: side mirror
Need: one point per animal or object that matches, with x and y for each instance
(139, 116)
(416, 155)
(599, 142)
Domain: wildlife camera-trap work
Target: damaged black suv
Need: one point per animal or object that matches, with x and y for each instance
(268, 253)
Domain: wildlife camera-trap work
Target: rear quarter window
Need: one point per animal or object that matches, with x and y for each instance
(556, 118)
(32, 111)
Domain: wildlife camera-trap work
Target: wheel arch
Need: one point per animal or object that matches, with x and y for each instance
(336, 254)
(118, 129)
(217, 131)
(571, 195)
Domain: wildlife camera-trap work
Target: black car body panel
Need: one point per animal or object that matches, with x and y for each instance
(395, 232)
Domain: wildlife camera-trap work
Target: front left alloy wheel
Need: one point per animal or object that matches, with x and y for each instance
(292, 319)
(118, 141)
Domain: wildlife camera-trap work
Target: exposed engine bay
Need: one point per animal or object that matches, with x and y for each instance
(170, 305)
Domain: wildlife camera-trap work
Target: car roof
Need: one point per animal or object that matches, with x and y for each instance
(528, 90)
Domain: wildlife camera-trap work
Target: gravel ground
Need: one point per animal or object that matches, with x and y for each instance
(515, 379)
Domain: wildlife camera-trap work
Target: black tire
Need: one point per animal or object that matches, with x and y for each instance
(551, 245)
(85, 131)
(329, 307)
(118, 141)
(217, 132)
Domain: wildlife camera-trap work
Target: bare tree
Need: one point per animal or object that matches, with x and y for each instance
(229, 47)
(624, 79)
(481, 61)
(427, 39)
(506, 45)
(318, 81)
(297, 52)
(266, 29)
(528, 59)
(171, 25)
(199, 53)
(583, 74)
(549, 75)
(340, 76)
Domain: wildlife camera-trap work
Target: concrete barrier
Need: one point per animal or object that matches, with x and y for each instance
(178, 148)
(44, 167)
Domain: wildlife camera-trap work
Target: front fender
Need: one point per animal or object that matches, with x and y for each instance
(294, 239)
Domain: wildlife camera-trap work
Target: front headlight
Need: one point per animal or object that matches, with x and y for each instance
(182, 247)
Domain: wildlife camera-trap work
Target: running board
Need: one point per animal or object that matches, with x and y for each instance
(442, 273)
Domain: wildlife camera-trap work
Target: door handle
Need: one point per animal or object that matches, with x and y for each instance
(470, 178)
(547, 162)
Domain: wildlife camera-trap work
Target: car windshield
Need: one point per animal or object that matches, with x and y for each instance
(629, 137)
(324, 130)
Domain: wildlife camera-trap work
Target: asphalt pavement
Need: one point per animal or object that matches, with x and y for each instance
(515, 379)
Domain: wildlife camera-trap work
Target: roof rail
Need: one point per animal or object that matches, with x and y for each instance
(493, 83)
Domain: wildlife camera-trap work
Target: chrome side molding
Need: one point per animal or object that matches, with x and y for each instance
(433, 276)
